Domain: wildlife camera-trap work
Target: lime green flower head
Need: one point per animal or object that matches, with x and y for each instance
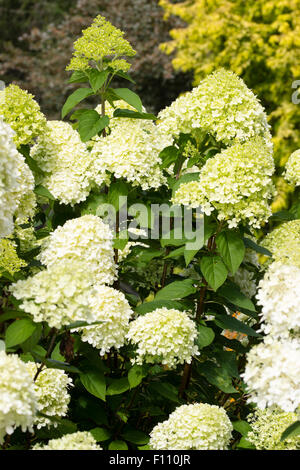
(267, 428)
(23, 113)
(9, 260)
(99, 44)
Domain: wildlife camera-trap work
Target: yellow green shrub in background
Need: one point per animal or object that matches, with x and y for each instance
(260, 41)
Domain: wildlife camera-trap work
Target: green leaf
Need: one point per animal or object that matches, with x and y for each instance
(124, 75)
(118, 386)
(213, 270)
(90, 124)
(100, 434)
(74, 99)
(242, 427)
(136, 437)
(78, 76)
(118, 445)
(136, 375)
(53, 364)
(176, 290)
(190, 254)
(117, 190)
(291, 431)
(33, 340)
(205, 336)
(91, 204)
(129, 97)
(94, 382)
(254, 246)
(216, 376)
(184, 179)
(42, 191)
(244, 444)
(128, 113)
(175, 253)
(226, 322)
(168, 156)
(97, 78)
(25, 151)
(153, 305)
(166, 390)
(18, 332)
(236, 297)
(232, 249)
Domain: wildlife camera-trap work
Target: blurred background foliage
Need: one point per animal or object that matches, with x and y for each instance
(259, 40)
(37, 46)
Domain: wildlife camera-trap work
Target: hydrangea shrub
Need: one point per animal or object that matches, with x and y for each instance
(123, 330)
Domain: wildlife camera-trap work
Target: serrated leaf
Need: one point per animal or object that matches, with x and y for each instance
(94, 382)
(18, 332)
(90, 124)
(74, 99)
(213, 270)
(129, 97)
(232, 249)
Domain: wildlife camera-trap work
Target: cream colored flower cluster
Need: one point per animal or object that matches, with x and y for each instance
(23, 113)
(17, 396)
(81, 440)
(59, 295)
(193, 427)
(66, 163)
(272, 373)
(16, 183)
(111, 308)
(9, 259)
(51, 391)
(279, 295)
(86, 240)
(236, 182)
(131, 151)
(267, 428)
(292, 174)
(222, 106)
(99, 42)
(164, 336)
(284, 243)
